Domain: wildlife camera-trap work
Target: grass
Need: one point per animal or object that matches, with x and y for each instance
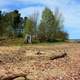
(20, 42)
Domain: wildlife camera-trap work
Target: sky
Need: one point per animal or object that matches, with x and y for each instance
(70, 9)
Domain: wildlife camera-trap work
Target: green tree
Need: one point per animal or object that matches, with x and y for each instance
(28, 30)
(28, 26)
(53, 24)
(42, 32)
(3, 23)
(14, 19)
(49, 20)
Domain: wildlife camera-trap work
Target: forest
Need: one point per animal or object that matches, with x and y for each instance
(47, 28)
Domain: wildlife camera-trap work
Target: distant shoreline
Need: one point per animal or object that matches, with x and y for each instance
(74, 40)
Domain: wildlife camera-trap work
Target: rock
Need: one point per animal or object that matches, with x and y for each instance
(39, 53)
(19, 78)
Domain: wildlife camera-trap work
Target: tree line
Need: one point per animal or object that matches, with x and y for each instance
(50, 27)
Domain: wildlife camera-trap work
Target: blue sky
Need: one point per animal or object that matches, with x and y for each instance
(70, 10)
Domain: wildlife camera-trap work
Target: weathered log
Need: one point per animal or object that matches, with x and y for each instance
(14, 76)
(58, 56)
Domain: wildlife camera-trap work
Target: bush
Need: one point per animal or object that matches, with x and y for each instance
(20, 35)
(35, 41)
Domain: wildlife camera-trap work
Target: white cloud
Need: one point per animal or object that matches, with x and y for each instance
(30, 10)
(69, 8)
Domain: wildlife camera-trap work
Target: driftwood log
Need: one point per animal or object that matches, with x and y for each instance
(14, 76)
(58, 56)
